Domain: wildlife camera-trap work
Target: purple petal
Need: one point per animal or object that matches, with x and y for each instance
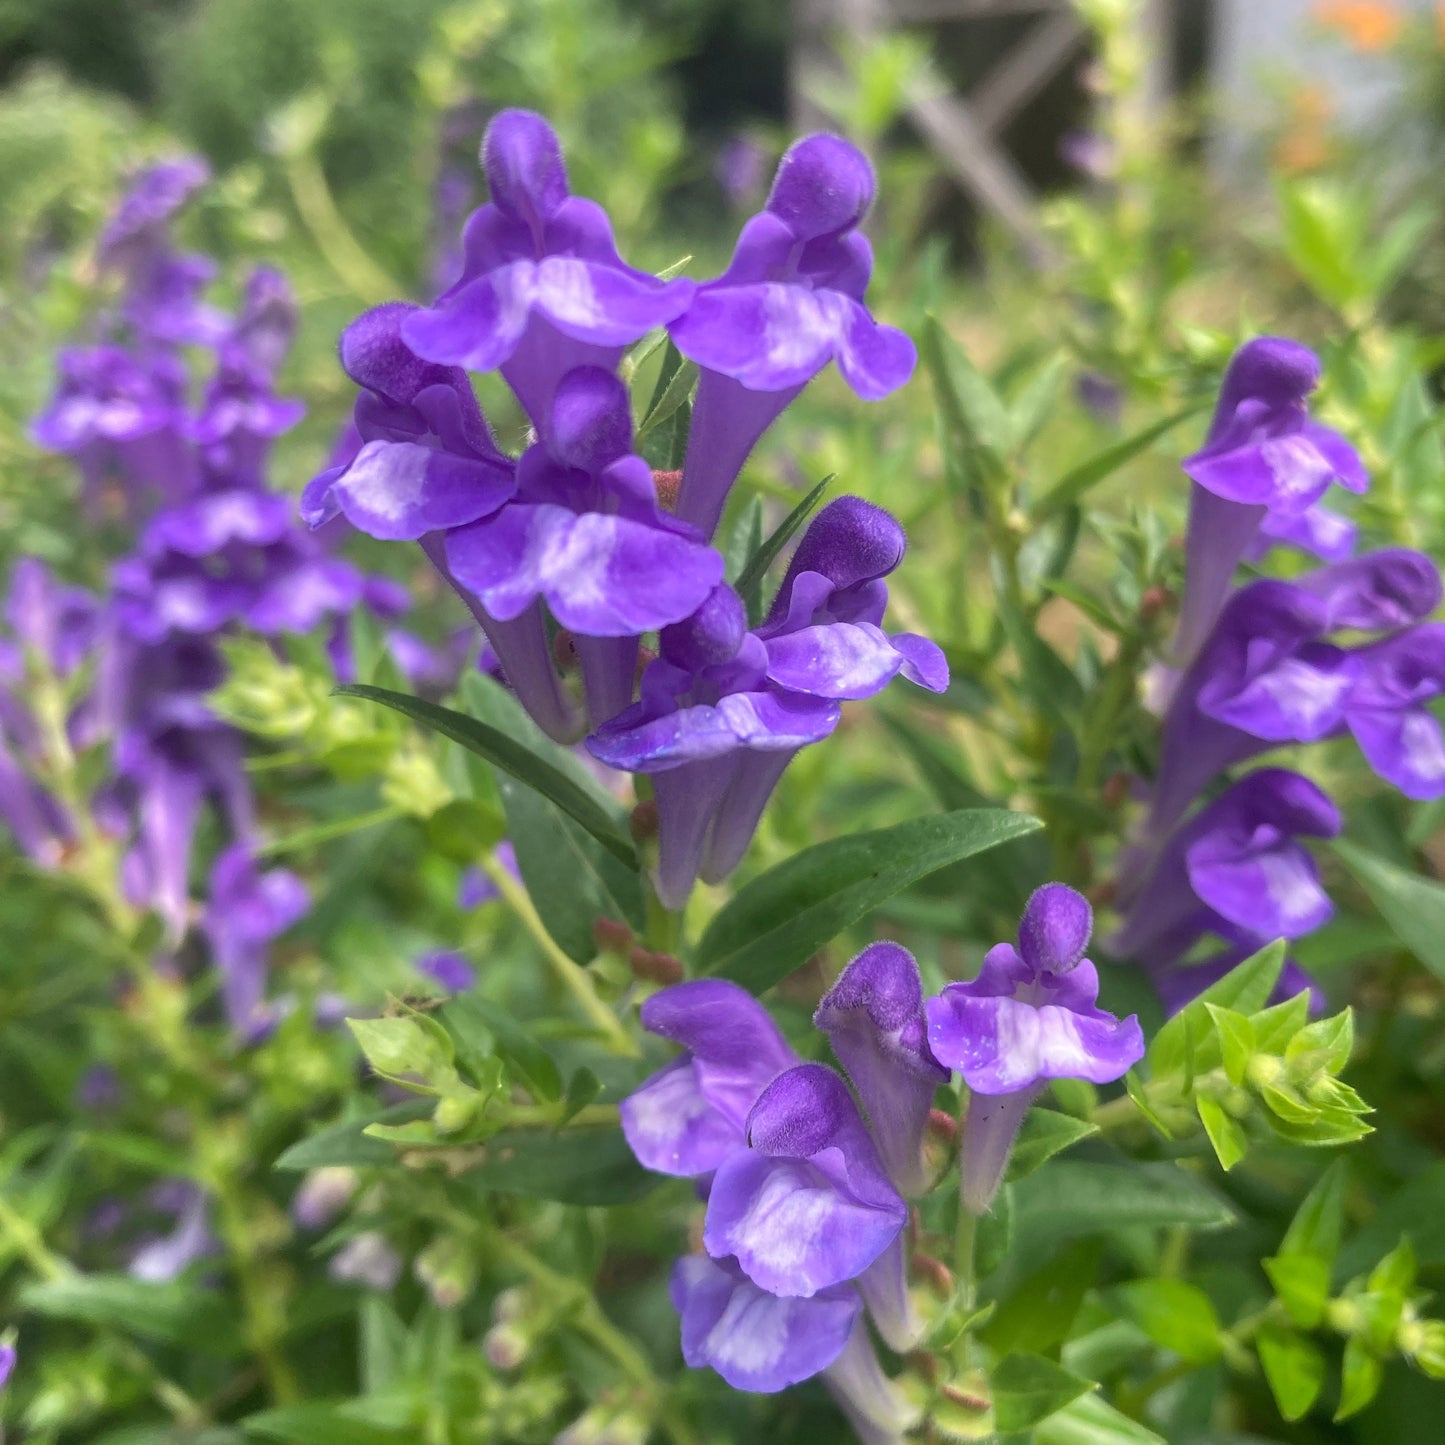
(673, 1127)
(603, 576)
(479, 326)
(1003, 1045)
(1405, 747)
(523, 164)
(1387, 588)
(1267, 884)
(1287, 474)
(874, 359)
(836, 659)
(873, 1016)
(770, 337)
(1327, 535)
(753, 1339)
(924, 662)
(603, 304)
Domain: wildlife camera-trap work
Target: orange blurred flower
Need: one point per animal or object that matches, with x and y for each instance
(1368, 25)
(1306, 143)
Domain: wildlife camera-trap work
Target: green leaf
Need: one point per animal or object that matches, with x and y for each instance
(1029, 1388)
(1414, 1210)
(750, 579)
(1294, 1367)
(1237, 1041)
(1136, 1090)
(1413, 907)
(174, 1313)
(585, 805)
(407, 1044)
(674, 386)
(776, 922)
(1077, 1197)
(315, 1423)
(1039, 1313)
(1188, 1043)
(582, 1088)
(382, 1343)
(1074, 483)
(1036, 400)
(966, 397)
(348, 1144)
(1302, 1285)
(1225, 1133)
(573, 1166)
(1092, 1420)
(477, 1023)
(1044, 1134)
(1316, 1227)
(1175, 1315)
(1360, 1379)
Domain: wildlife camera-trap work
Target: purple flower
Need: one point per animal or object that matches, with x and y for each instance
(790, 301)
(1031, 1015)
(267, 324)
(1235, 868)
(808, 1204)
(1089, 153)
(1263, 457)
(142, 220)
(755, 1340)
(248, 910)
(169, 1256)
(1266, 676)
(123, 420)
(448, 969)
(739, 170)
(543, 289)
(1388, 709)
(1317, 530)
(873, 1016)
(241, 417)
(476, 888)
(585, 535)
(322, 1195)
(426, 461)
(225, 557)
(688, 1118)
(723, 709)
(7, 1361)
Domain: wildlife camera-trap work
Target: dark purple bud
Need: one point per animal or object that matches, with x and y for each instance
(1055, 929)
(524, 167)
(824, 186)
(374, 355)
(591, 423)
(849, 541)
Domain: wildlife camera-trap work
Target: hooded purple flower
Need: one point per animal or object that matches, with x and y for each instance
(239, 420)
(723, 709)
(1267, 676)
(476, 888)
(1388, 709)
(225, 557)
(1317, 530)
(123, 420)
(427, 461)
(873, 1016)
(167, 1257)
(1263, 457)
(1031, 1015)
(248, 910)
(790, 301)
(1235, 868)
(543, 289)
(689, 1117)
(585, 535)
(755, 1340)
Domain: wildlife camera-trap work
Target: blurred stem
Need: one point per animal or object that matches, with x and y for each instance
(334, 238)
(965, 1254)
(574, 977)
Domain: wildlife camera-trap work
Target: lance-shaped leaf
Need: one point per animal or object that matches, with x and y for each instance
(779, 920)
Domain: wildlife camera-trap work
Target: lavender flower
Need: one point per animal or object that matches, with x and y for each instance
(169, 1256)
(543, 289)
(7, 1361)
(369, 1260)
(586, 535)
(1031, 1015)
(790, 301)
(873, 1016)
(1263, 456)
(688, 1118)
(448, 969)
(247, 911)
(723, 709)
(1388, 710)
(322, 1195)
(1235, 869)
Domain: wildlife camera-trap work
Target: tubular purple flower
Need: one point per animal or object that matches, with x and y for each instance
(142, 220)
(690, 1116)
(543, 289)
(755, 1340)
(723, 709)
(872, 1403)
(367, 1259)
(1263, 456)
(1235, 868)
(790, 301)
(873, 1016)
(808, 1204)
(1031, 1015)
(427, 461)
(586, 535)
(1389, 714)
(247, 911)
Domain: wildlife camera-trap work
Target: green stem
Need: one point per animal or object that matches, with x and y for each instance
(334, 238)
(573, 976)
